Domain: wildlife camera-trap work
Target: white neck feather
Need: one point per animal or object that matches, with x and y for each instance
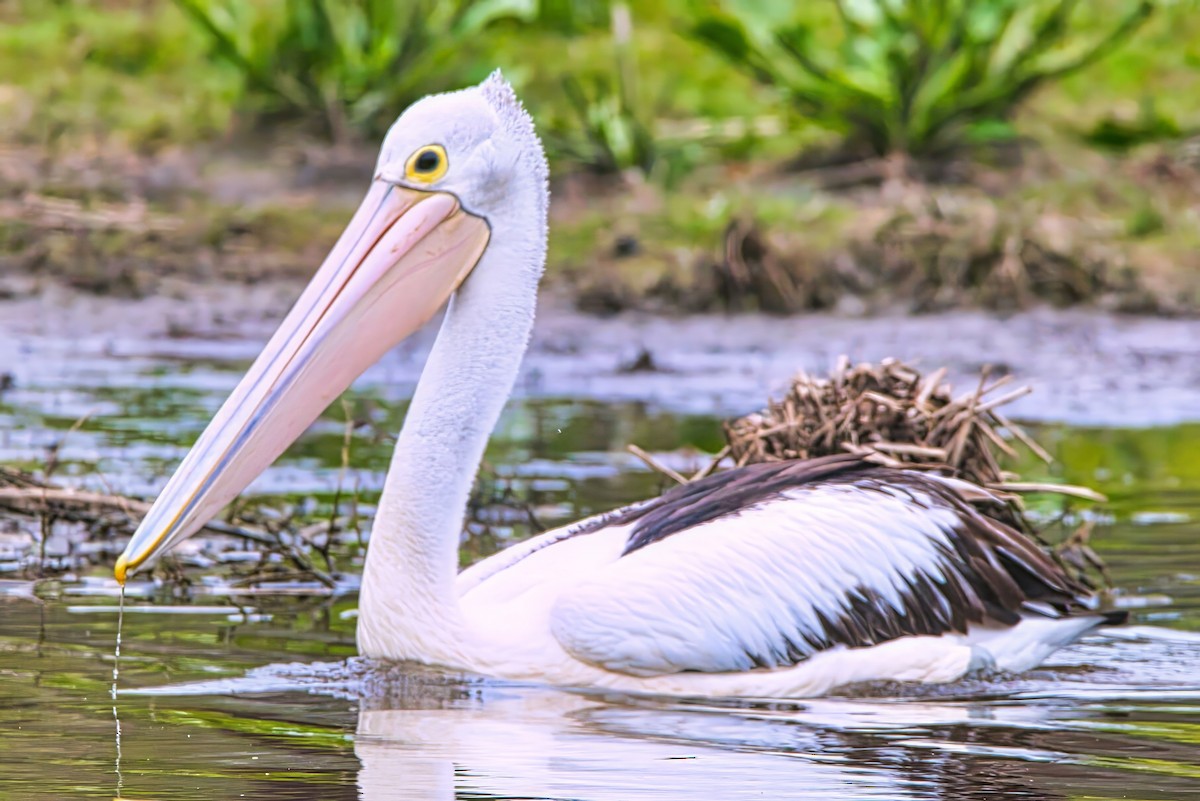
(408, 607)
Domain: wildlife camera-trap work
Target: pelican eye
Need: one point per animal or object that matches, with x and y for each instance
(427, 164)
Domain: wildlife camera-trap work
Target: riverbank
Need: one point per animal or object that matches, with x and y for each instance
(1057, 225)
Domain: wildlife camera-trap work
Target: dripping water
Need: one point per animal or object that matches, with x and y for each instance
(115, 675)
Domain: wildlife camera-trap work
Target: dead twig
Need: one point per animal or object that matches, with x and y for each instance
(655, 465)
(85, 507)
(1057, 489)
(30, 497)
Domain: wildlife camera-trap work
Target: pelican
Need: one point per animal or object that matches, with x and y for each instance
(769, 581)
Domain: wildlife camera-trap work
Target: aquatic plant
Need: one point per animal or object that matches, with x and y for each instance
(917, 77)
(346, 64)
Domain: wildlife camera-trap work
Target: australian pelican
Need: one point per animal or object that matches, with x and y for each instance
(774, 580)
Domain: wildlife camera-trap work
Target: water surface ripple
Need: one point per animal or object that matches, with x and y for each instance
(268, 701)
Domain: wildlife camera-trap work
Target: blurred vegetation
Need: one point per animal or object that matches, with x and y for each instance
(78, 72)
(676, 130)
(919, 77)
(628, 81)
(611, 131)
(347, 64)
(910, 76)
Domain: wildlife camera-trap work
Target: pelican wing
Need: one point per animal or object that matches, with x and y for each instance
(765, 566)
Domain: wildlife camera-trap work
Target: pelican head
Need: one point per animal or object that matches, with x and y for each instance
(444, 177)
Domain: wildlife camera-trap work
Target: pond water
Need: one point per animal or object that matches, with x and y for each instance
(266, 700)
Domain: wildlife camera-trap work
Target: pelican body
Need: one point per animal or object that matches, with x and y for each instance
(777, 580)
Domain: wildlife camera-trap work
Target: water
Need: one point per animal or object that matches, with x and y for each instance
(268, 701)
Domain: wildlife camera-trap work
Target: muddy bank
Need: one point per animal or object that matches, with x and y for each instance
(1088, 367)
(1117, 235)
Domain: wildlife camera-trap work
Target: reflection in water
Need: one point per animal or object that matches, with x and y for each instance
(424, 737)
(547, 744)
(1079, 729)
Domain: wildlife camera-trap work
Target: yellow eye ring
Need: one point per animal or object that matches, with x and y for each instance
(427, 164)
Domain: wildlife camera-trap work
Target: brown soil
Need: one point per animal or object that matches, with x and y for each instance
(129, 226)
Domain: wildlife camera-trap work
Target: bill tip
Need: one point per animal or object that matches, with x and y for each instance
(121, 569)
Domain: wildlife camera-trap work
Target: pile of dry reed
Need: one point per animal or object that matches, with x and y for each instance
(890, 414)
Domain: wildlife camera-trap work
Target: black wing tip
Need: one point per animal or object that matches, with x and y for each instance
(1114, 617)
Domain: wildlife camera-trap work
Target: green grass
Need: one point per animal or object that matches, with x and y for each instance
(79, 74)
(1161, 63)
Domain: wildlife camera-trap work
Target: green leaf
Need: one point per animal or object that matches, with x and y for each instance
(484, 13)
(725, 35)
(915, 75)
